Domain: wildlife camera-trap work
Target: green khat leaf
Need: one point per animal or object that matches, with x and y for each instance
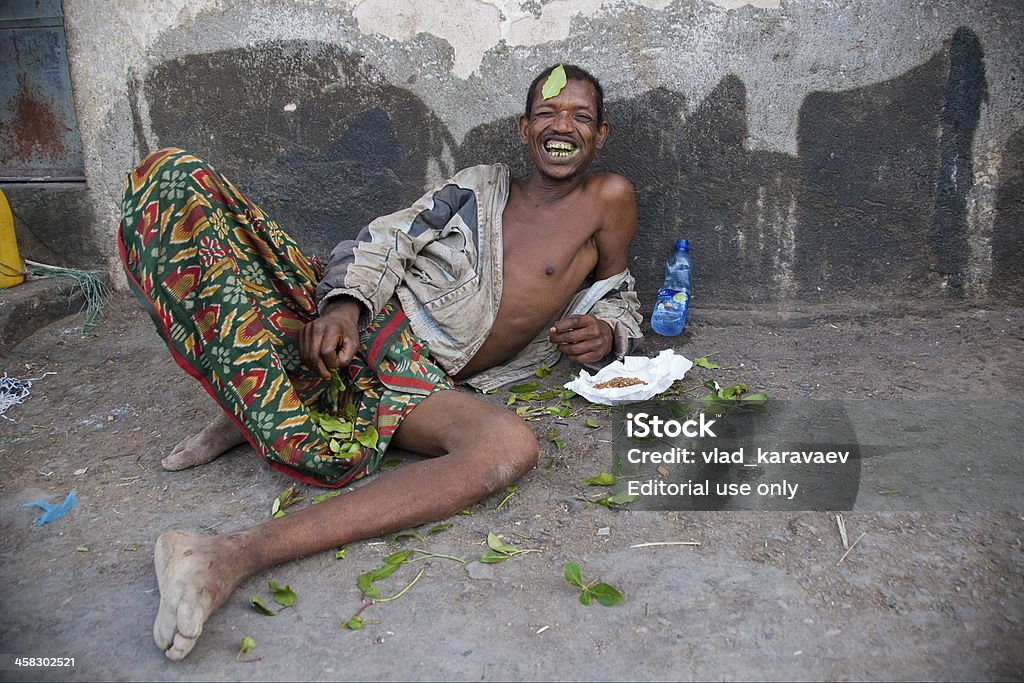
(248, 645)
(605, 594)
(572, 574)
(603, 479)
(368, 437)
(283, 595)
(554, 83)
(261, 607)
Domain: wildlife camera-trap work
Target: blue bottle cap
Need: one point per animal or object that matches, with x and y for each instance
(683, 245)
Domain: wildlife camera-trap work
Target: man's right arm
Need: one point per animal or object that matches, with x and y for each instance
(363, 274)
(330, 341)
(371, 267)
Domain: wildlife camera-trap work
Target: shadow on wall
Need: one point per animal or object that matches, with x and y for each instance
(314, 137)
(872, 206)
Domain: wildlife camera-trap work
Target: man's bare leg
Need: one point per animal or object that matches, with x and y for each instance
(199, 449)
(480, 449)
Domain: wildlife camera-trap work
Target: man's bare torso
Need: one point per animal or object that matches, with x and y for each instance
(550, 244)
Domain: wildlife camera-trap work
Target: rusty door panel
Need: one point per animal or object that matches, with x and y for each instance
(39, 138)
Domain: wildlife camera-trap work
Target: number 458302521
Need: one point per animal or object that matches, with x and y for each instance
(43, 662)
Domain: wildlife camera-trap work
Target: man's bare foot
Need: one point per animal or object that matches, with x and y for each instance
(207, 445)
(196, 574)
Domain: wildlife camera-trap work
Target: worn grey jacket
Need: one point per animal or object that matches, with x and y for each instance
(443, 258)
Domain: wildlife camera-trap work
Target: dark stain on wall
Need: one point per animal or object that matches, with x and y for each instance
(965, 91)
(1008, 231)
(872, 206)
(355, 147)
(134, 93)
(35, 127)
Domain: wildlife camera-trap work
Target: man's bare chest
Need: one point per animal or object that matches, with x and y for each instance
(548, 245)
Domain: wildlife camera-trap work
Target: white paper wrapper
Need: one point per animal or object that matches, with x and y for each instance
(658, 372)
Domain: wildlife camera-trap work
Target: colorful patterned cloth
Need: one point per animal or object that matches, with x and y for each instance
(229, 292)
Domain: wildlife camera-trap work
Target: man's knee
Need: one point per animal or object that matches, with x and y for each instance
(513, 451)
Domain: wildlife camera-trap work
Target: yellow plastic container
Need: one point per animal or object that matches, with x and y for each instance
(12, 269)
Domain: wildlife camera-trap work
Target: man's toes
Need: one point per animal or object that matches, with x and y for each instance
(164, 626)
(190, 618)
(174, 462)
(181, 647)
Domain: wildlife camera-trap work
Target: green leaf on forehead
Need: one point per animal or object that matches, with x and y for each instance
(554, 83)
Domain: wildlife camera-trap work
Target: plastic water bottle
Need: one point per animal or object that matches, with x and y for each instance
(669, 317)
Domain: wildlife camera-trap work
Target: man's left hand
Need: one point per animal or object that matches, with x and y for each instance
(583, 338)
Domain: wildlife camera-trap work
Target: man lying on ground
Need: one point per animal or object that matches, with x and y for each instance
(478, 282)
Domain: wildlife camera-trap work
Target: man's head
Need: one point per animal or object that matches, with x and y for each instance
(563, 132)
(572, 72)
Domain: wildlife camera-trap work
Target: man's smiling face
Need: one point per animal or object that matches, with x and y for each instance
(562, 133)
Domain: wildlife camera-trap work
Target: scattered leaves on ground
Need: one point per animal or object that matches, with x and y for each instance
(283, 595)
(324, 496)
(286, 499)
(365, 582)
(499, 551)
(261, 607)
(604, 593)
(248, 645)
(620, 499)
(603, 479)
(436, 529)
(534, 400)
(510, 491)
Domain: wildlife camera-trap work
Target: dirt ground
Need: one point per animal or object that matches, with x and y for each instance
(923, 595)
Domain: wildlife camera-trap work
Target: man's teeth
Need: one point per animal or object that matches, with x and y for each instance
(557, 148)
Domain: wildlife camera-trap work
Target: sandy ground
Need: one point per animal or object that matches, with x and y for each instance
(929, 595)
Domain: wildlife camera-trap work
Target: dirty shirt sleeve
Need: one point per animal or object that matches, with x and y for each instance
(372, 266)
(620, 308)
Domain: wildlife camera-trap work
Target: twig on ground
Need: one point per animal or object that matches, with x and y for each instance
(401, 592)
(651, 545)
(842, 531)
(852, 546)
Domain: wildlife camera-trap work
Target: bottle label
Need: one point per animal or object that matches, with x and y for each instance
(680, 297)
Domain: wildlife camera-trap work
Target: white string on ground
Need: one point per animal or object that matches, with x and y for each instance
(14, 391)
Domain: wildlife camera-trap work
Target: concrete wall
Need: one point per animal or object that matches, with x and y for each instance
(811, 151)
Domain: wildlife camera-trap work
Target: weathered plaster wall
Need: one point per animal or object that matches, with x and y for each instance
(812, 150)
